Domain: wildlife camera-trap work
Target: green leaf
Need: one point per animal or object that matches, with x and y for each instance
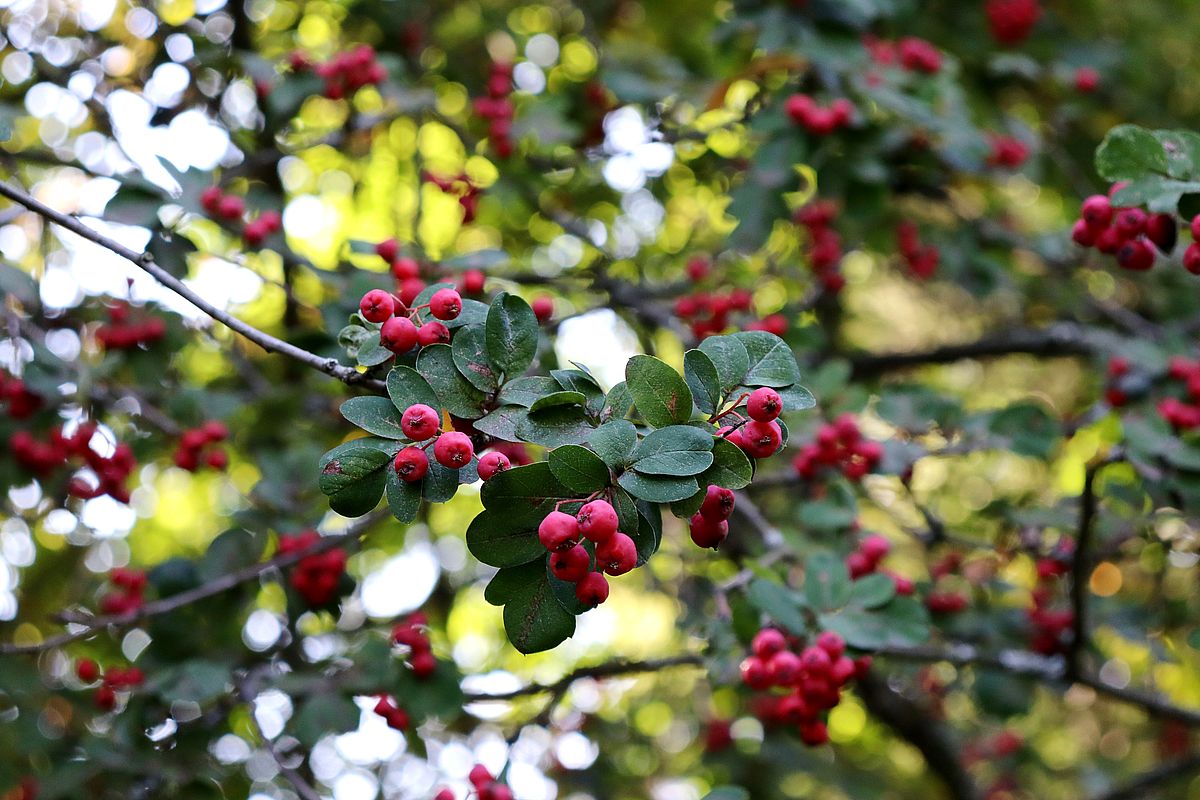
(555, 427)
(454, 392)
(534, 619)
(679, 463)
(618, 402)
(374, 415)
(872, 591)
(780, 603)
(661, 396)
(771, 360)
(353, 477)
(674, 439)
(403, 498)
(470, 356)
(372, 355)
(703, 379)
(731, 468)
(502, 423)
(826, 582)
(796, 398)
(505, 584)
(324, 714)
(441, 483)
(648, 537)
(196, 681)
(1129, 152)
(658, 489)
(230, 551)
(406, 387)
(1155, 192)
(556, 399)
(526, 391)
(507, 537)
(512, 334)
(531, 485)
(730, 358)
(727, 793)
(578, 468)
(901, 623)
(577, 380)
(1182, 149)
(614, 442)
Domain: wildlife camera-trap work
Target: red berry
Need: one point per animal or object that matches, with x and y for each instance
(87, 670)
(479, 776)
(813, 732)
(444, 794)
(214, 431)
(377, 306)
(558, 531)
(472, 282)
(831, 643)
(764, 404)
(388, 249)
(816, 661)
(453, 450)
(423, 664)
(1131, 222)
(755, 673)
(875, 548)
(210, 199)
(597, 520)
(406, 269)
(433, 332)
(784, 667)
(1087, 80)
(399, 335)
(718, 503)
(491, 463)
(767, 642)
(592, 590)
(1097, 211)
(707, 532)
(1109, 240)
(761, 439)
(1194, 227)
(420, 422)
(231, 207)
(1136, 255)
(105, 698)
(1083, 234)
(1162, 231)
(617, 554)
(411, 464)
(446, 304)
(543, 308)
(1191, 258)
(570, 565)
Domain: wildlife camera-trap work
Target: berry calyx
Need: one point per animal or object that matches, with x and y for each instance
(764, 404)
(558, 531)
(420, 422)
(411, 464)
(491, 463)
(446, 304)
(597, 520)
(453, 450)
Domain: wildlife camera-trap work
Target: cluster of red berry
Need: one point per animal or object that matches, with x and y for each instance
(922, 260)
(345, 73)
(1179, 414)
(1049, 625)
(122, 333)
(866, 558)
(813, 679)
(115, 679)
(710, 525)
(497, 108)
(232, 208)
(946, 601)
(1114, 393)
(20, 402)
(315, 577)
(912, 53)
(1128, 233)
(758, 435)
(1008, 152)
(128, 591)
(42, 458)
(817, 119)
(397, 718)
(1011, 21)
(485, 784)
(708, 314)
(194, 448)
(411, 633)
(841, 446)
(400, 332)
(462, 187)
(824, 243)
(452, 449)
(1002, 745)
(596, 521)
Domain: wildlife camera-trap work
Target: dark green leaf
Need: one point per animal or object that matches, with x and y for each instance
(403, 498)
(826, 582)
(872, 591)
(512, 334)
(230, 551)
(1128, 153)
(702, 378)
(658, 489)
(506, 537)
(578, 468)
(555, 427)
(528, 390)
(502, 423)
(374, 415)
(661, 396)
(731, 467)
(470, 357)
(352, 476)
(406, 387)
(618, 401)
(455, 394)
(534, 619)
(771, 360)
(556, 399)
(324, 714)
(730, 358)
(779, 603)
(614, 442)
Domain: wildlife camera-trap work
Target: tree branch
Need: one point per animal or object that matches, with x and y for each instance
(1138, 787)
(298, 781)
(145, 261)
(1061, 339)
(216, 586)
(1081, 567)
(610, 669)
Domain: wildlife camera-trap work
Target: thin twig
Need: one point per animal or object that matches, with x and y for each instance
(609, 669)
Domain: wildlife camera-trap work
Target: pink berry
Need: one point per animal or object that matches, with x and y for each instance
(1083, 234)
(491, 463)
(406, 269)
(1191, 258)
(420, 422)
(479, 776)
(387, 250)
(875, 548)
(1097, 211)
(761, 439)
(411, 464)
(784, 667)
(453, 450)
(543, 308)
(764, 404)
(831, 643)
(558, 531)
(570, 565)
(718, 503)
(377, 306)
(445, 304)
(592, 590)
(1136, 255)
(399, 335)
(707, 532)
(617, 554)
(597, 520)
(231, 207)
(767, 642)
(755, 673)
(433, 332)
(472, 282)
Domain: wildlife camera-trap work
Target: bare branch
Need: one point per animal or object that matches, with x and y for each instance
(610, 669)
(1081, 567)
(145, 261)
(1137, 788)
